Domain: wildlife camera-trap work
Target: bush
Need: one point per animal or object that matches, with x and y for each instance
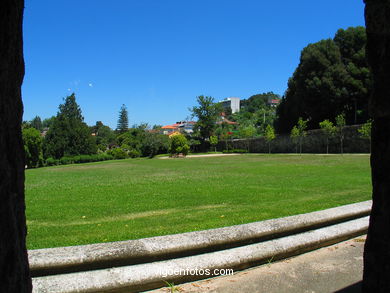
(134, 153)
(235, 151)
(118, 153)
(52, 162)
(78, 159)
(66, 160)
(178, 144)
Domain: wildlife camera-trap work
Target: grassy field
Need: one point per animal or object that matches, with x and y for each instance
(135, 198)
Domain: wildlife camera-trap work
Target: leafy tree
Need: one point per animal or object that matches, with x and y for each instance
(123, 120)
(69, 135)
(37, 123)
(315, 90)
(178, 144)
(365, 131)
(247, 131)
(207, 113)
(214, 142)
(332, 77)
(154, 144)
(48, 122)
(329, 129)
(104, 134)
(340, 124)
(301, 132)
(294, 135)
(352, 44)
(32, 141)
(269, 136)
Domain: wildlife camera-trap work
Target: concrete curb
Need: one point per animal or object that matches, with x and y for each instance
(62, 260)
(142, 277)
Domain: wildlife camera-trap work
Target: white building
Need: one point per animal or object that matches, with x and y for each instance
(232, 103)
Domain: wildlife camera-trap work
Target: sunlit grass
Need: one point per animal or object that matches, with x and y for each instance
(120, 200)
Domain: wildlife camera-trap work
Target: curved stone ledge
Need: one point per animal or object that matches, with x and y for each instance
(122, 253)
(142, 277)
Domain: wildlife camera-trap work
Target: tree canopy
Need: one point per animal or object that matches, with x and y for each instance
(123, 120)
(331, 78)
(68, 134)
(207, 113)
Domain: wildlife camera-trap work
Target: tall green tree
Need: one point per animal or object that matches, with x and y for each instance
(329, 129)
(207, 113)
(316, 89)
(332, 77)
(48, 122)
(365, 131)
(36, 122)
(352, 46)
(214, 142)
(123, 120)
(247, 132)
(301, 127)
(340, 124)
(269, 136)
(32, 141)
(294, 135)
(104, 134)
(68, 134)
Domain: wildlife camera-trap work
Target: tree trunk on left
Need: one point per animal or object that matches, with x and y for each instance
(14, 270)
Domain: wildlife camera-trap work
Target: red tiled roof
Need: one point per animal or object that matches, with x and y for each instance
(174, 126)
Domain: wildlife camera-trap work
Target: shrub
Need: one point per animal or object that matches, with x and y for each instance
(178, 144)
(134, 153)
(52, 162)
(118, 153)
(237, 151)
(66, 160)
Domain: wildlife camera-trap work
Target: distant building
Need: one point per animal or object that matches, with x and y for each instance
(180, 126)
(231, 103)
(273, 102)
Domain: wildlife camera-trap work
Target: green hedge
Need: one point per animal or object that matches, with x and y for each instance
(78, 159)
(235, 151)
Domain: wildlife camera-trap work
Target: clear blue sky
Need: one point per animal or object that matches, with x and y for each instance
(157, 56)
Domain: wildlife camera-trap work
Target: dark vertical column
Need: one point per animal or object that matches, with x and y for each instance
(377, 250)
(14, 271)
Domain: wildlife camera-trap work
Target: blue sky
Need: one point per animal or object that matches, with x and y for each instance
(157, 56)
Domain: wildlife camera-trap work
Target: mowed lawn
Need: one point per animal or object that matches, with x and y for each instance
(135, 198)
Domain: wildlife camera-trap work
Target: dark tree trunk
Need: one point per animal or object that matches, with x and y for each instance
(376, 277)
(14, 271)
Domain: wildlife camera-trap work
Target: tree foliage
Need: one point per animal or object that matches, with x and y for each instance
(207, 113)
(68, 134)
(269, 136)
(329, 129)
(123, 120)
(340, 124)
(178, 144)
(256, 111)
(301, 131)
(37, 123)
(332, 77)
(32, 141)
(365, 131)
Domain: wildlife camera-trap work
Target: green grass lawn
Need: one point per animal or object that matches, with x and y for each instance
(135, 198)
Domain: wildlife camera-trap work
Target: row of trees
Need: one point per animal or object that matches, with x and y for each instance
(66, 135)
(330, 130)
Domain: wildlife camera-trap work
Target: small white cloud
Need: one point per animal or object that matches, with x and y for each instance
(68, 90)
(90, 84)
